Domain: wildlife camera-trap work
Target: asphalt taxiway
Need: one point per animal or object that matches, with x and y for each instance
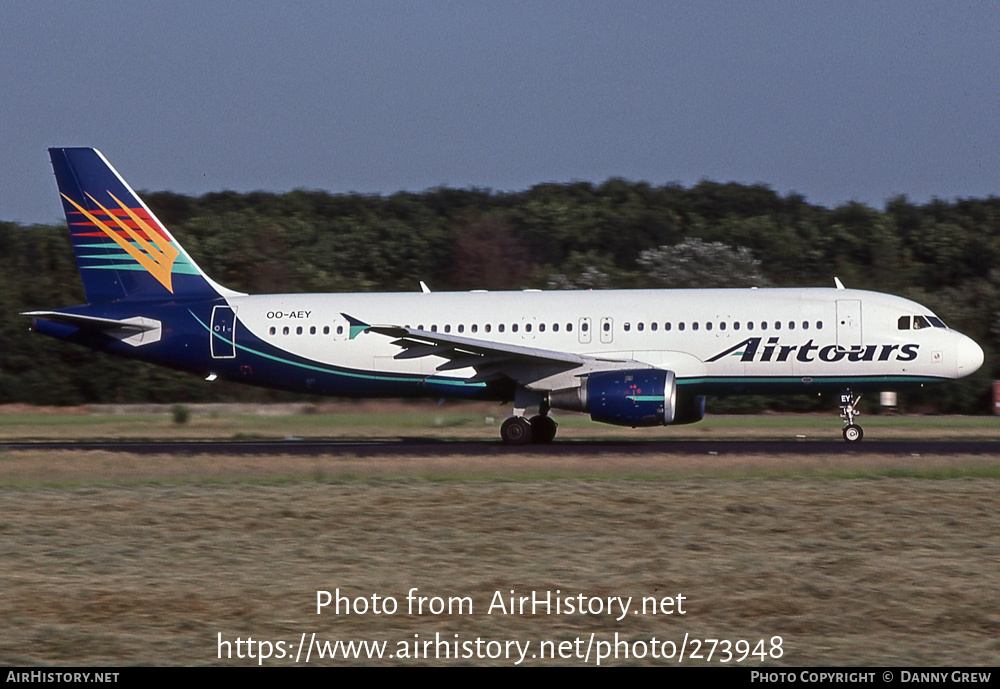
(424, 446)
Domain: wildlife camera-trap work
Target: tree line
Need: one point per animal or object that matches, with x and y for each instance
(619, 234)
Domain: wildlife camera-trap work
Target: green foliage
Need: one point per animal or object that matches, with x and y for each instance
(181, 413)
(580, 235)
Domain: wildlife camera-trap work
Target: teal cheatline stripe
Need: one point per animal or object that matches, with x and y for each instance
(797, 380)
(644, 398)
(337, 372)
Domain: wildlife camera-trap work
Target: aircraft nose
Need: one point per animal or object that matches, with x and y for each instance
(969, 356)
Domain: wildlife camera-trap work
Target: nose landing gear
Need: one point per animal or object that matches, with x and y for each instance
(848, 403)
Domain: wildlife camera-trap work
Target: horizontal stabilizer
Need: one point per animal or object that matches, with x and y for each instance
(135, 331)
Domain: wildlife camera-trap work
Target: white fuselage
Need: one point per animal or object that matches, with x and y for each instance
(795, 335)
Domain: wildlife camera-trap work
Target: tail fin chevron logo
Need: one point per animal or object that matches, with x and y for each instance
(156, 255)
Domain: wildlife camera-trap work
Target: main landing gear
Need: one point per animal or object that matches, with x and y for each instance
(517, 430)
(539, 429)
(848, 410)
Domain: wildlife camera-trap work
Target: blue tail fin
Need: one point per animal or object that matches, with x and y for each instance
(122, 250)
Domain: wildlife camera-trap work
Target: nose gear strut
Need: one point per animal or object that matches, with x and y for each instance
(848, 410)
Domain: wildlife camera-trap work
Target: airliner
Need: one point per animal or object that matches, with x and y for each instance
(631, 358)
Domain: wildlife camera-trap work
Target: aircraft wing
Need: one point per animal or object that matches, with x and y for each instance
(529, 366)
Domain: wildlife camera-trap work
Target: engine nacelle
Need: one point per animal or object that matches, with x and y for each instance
(690, 408)
(634, 397)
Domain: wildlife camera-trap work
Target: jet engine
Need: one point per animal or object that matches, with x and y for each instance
(633, 397)
(637, 397)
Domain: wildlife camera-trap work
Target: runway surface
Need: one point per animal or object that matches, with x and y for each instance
(424, 446)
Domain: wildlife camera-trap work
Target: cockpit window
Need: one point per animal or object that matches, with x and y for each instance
(920, 322)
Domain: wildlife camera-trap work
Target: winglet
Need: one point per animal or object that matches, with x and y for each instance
(836, 281)
(424, 288)
(357, 327)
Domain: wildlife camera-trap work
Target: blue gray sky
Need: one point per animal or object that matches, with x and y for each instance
(837, 101)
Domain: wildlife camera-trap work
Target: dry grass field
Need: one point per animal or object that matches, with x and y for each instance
(115, 559)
